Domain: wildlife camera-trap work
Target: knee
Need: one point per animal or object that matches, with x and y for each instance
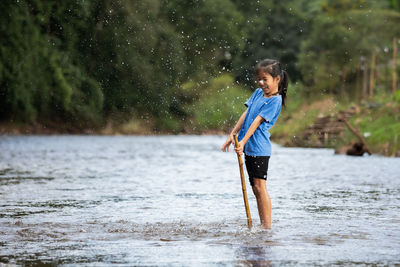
(258, 189)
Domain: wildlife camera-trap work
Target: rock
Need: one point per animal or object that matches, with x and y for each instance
(354, 149)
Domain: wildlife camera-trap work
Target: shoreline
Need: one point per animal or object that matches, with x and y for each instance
(39, 129)
(13, 129)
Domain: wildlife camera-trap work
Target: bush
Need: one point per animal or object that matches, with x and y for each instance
(220, 104)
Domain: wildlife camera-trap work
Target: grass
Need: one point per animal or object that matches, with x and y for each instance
(378, 120)
(380, 126)
(298, 114)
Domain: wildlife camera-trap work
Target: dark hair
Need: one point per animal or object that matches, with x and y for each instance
(273, 67)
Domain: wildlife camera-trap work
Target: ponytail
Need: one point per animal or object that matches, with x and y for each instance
(283, 85)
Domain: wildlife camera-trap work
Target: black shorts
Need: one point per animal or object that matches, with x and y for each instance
(257, 167)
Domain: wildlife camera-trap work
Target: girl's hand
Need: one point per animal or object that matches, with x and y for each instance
(228, 142)
(239, 149)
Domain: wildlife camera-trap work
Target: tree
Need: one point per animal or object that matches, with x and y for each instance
(274, 29)
(342, 35)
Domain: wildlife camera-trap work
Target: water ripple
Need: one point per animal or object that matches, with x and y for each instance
(177, 200)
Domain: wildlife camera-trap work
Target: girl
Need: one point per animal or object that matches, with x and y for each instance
(263, 109)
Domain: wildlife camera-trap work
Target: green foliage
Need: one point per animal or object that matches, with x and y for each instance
(220, 105)
(397, 95)
(137, 56)
(295, 117)
(345, 34)
(274, 29)
(210, 32)
(380, 126)
(378, 121)
(83, 62)
(39, 77)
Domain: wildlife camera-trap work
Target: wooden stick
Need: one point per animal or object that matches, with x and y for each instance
(356, 133)
(246, 203)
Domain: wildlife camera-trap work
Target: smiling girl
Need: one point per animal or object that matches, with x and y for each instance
(263, 109)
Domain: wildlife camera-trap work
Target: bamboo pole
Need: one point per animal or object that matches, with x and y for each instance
(342, 88)
(246, 202)
(372, 76)
(357, 93)
(364, 78)
(394, 73)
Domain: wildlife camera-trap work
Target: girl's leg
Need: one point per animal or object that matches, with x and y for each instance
(263, 202)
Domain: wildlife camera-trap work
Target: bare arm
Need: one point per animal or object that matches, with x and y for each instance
(236, 129)
(253, 127)
(238, 125)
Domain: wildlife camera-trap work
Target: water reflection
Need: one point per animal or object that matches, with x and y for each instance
(257, 256)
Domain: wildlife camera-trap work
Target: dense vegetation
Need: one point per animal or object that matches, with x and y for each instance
(185, 66)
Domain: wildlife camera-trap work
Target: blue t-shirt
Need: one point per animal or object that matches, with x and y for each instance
(268, 108)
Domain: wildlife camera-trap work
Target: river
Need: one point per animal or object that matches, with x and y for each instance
(177, 201)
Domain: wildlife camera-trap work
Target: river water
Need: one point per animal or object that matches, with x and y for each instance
(177, 200)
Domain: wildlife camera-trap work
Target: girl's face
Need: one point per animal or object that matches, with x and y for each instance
(267, 83)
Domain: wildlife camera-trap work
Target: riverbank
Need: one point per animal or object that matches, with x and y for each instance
(301, 124)
(318, 124)
(132, 127)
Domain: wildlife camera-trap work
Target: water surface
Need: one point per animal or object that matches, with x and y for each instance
(177, 200)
